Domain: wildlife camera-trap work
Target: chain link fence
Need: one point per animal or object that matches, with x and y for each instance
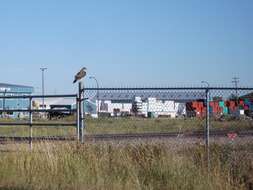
(176, 112)
(179, 111)
(142, 110)
(231, 115)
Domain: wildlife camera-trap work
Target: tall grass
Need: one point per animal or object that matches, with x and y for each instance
(125, 166)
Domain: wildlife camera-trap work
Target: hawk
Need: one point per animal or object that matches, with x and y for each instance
(80, 74)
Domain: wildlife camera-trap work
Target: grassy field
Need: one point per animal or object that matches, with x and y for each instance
(143, 125)
(128, 125)
(136, 166)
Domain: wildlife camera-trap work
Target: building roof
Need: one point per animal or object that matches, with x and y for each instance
(57, 101)
(160, 95)
(14, 85)
(13, 88)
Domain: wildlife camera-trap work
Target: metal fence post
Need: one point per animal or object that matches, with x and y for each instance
(77, 116)
(207, 133)
(3, 113)
(30, 123)
(81, 113)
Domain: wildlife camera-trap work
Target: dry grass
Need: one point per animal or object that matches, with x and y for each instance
(125, 166)
(144, 125)
(128, 125)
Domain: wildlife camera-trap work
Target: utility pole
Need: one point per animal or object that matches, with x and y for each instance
(236, 81)
(43, 86)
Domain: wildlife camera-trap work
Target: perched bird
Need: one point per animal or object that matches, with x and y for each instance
(80, 74)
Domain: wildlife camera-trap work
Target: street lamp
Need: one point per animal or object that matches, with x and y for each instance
(205, 82)
(94, 78)
(43, 86)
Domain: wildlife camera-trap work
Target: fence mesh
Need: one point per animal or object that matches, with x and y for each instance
(231, 118)
(179, 111)
(142, 110)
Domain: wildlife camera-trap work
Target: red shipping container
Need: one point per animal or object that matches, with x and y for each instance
(218, 110)
(215, 106)
(215, 110)
(232, 104)
(201, 104)
(195, 104)
(199, 110)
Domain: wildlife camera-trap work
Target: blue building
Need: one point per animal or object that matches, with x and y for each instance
(14, 90)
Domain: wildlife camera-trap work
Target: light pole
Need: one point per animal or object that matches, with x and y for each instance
(94, 78)
(43, 85)
(205, 82)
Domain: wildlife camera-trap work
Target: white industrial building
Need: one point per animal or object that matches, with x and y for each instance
(151, 105)
(115, 108)
(160, 108)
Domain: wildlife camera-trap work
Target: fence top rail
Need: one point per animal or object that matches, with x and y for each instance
(173, 88)
(38, 110)
(36, 124)
(40, 96)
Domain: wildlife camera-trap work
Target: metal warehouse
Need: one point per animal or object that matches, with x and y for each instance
(14, 90)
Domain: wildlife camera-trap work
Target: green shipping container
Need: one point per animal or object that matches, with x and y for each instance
(222, 104)
(225, 111)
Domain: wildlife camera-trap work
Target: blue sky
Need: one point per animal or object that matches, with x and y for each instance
(126, 42)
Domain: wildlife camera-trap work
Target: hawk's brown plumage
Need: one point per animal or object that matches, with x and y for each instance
(80, 74)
